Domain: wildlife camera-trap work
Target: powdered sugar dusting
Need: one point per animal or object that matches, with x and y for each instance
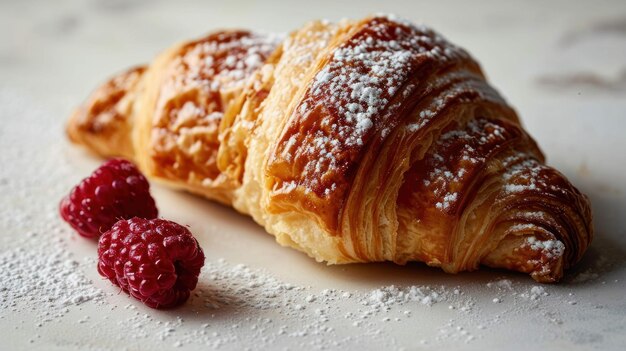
(39, 274)
(551, 248)
(525, 175)
(45, 274)
(245, 53)
(453, 85)
(204, 68)
(455, 157)
(305, 48)
(388, 296)
(197, 84)
(350, 98)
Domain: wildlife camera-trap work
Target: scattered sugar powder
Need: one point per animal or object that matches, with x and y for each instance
(386, 297)
(356, 89)
(42, 275)
(39, 275)
(536, 292)
(600, 265)
(552, 248)
(502, 284)
(236, 306)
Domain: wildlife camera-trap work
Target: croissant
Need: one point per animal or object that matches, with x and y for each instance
(356, 141)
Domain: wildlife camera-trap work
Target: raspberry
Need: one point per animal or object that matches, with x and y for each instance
(116, 190)
(157, 261)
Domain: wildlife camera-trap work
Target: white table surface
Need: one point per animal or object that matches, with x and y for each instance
(561, 64)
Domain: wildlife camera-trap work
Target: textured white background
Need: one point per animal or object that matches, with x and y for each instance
(562, 64)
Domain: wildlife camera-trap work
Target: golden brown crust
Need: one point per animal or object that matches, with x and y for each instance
(196, 83)
(350, 103)
(102, 123)
(374, 140)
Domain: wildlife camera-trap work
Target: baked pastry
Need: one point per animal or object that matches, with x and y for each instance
(357, 141)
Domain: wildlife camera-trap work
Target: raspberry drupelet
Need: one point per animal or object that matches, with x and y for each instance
(116, 190)
(156, 261)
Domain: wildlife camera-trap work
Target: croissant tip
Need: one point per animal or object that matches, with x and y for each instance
(71, 127)
(546, 275)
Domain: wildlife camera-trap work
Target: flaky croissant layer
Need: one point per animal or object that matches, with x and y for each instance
(358, 141)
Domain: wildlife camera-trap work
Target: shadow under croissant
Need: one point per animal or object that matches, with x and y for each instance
(367, 275)
(603, 256)
(208, 300)
(606, 253)
(214, 300)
